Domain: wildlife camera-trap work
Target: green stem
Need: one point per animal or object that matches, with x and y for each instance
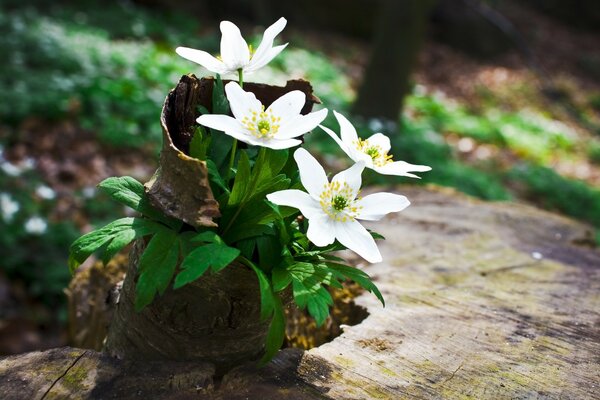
(231, 160)
(234, 145)
(255, 173)
(241, 77)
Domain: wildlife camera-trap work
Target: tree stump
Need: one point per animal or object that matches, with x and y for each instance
(214, 319)
(484, 301)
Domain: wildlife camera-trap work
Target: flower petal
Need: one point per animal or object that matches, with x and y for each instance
(203, 58)
(240, 101)
(257, 63)
(355, 237)
(234, 49)
(347, 130)
(352, 177)
(226, 124)
(376, 206)
(288, 106)
(278, 144)
(312, 174)
(301, 124)
(320, 230)
(308, 206)
(379, 139)
(260, 56)
(402, 168)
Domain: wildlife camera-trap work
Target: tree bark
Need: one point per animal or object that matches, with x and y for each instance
(398, 36)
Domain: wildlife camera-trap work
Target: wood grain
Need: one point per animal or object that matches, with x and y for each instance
(484, 301)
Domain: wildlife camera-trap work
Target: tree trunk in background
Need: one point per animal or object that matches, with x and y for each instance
(397, 39)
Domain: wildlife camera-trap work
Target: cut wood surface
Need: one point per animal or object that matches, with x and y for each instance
(483, 301)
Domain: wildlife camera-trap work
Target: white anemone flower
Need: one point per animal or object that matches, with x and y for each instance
(235, 52)
(373, 151)
(333, 208)
(276, 127)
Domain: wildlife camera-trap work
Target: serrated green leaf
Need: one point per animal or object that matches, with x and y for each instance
(109, 239)
(242, 180)
(358, 276)
(128, 191)
(157, 266)
(215, 256)
(272, 163)
(318, 305)
(118, 241)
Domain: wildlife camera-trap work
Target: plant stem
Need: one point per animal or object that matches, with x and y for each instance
(234, 145)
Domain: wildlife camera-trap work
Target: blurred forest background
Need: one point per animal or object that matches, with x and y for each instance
(500, 97)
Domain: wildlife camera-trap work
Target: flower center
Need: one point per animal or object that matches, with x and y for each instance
(337, 201)
(379, 157)
(262, 124)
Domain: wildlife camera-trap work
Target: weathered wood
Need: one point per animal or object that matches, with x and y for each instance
(484, 301)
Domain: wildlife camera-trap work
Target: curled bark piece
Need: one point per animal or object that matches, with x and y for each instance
(180, 186)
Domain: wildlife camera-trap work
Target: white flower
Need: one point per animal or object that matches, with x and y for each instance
(276, 127)
(373, 151)
(36, 225)
(235, 53)
(332, 209)
(8, 206)
(45, 192)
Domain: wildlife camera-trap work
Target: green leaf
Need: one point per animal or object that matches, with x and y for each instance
(269, 251)
(276, 332)
(220, 104)
(94, 241)
(281, 278)
(242, 180)
(271, 165)
(119, 241)
(220, 143)
(157, 266)
(307, 286)
(358, 276)
(214, 255)
(131, 193)
(376, 235)
(199, 143)
(125, 190)
(207, 237)
(215, 177)
(270, 305)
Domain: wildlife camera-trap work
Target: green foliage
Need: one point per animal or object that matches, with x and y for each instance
(112, 82)
(215, 255)
(553, 191)
(530, 135)
(157, 266)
